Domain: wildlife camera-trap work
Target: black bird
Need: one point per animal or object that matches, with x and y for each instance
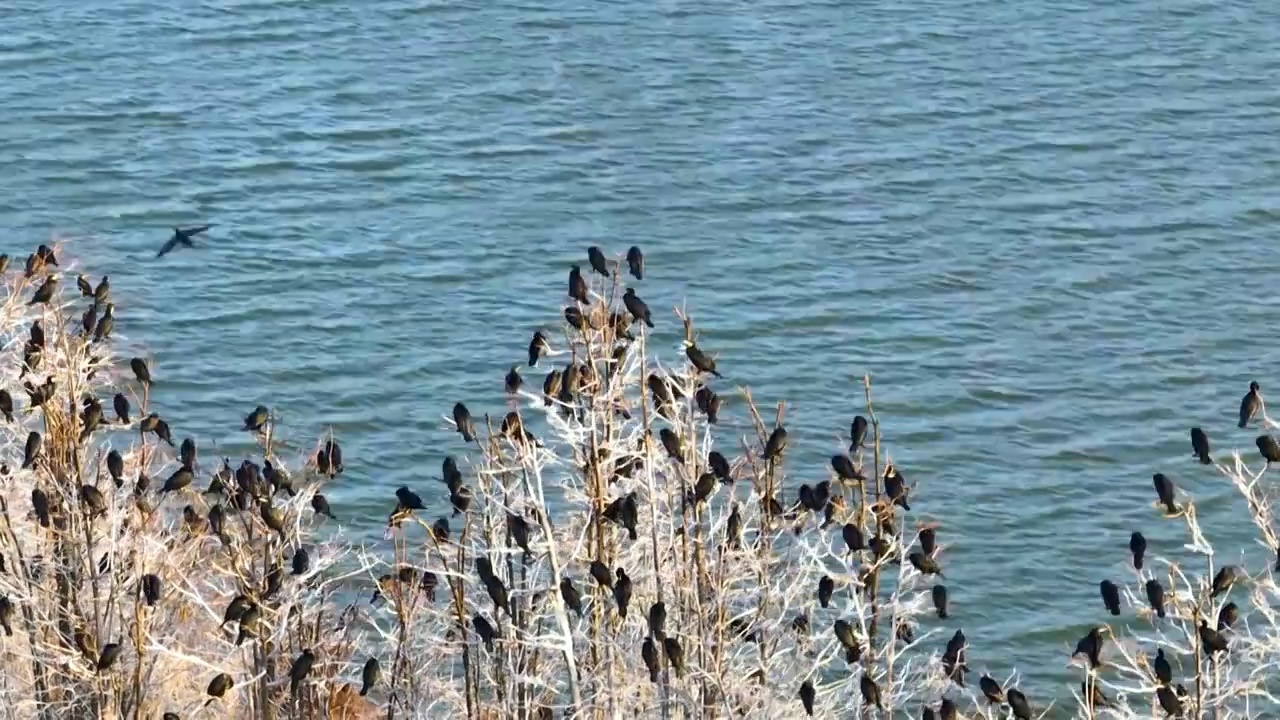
(1165, 492)
(89, 320)
(181, 237)
(161, 429)
(101, 292)
(1110, 596)
(1169, 701)
(649, 653)
(180, 479)
(82, 282)
(369, 676)
(1137, 546)
(450, 473)
(272, 518)
(187, 453)
(848, 638)
(1200, 445)
(1018, 704)
(658, 620)
(853, 538)
(925, 564)
(700, 360)
(329, 459)
(675, 654)
(105, 323)
(537, 347)
(301, 561)
(45, 292)
(31, 450)
(485, 630)
(1227, 616)
(4, 262)
(895, 487)
(776, 444)
(1155, 596)
(219, 686)
(1091, 647)
(671, 442)
(1163, 670)
(600, 572)
(596, 258)
(6, 615)
(928, 541)
(94, 499)
(991, 689)
(1250, 403)
(519, 529)
(704, 488)
(857, 433)
(1269, 448)
(573, 316)
(733, 528)
(572, 598)
(466, 426)
(947, 710)
(301, 668)
(807, 696)
(635, 262)
(870, 691)
(637, 307)
(577, 285)
(320, 504)
(513, 380)
(254, 421)
(497, 593)
(151, 589)
(110, 653)
(44, 254)
(843, 467)
(1223, 580)
(1211, 639)
(719, 465)
(940, 601)
(708, 403)
(622, 592)
(236, 609)
(826, 586)
(409, 500)
(121, 404)
(461, 500)
(550, 387)
(6, 405)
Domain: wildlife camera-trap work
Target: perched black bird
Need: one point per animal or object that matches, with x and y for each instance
(826, 587)
(925, 564)
(708, 403)
(254, 421)
(140, 370)
(704, 488)
(940, 601)
(408, 499)
(301, 668)
(1137, 546)
(450, 473)
(121, 404)
(574, 317)
(301, 561)
(161, 430)
(895, 487)
(870, 692)
(219, 686)
(329, 458)
(180, 479)
(719, 465)
(572, 598)
(853, 538)
(1269, 448)
(928, 540)
(6, 405)
(596, 258)
(675, 654)
(86, 290)
(103, 290)
(700, 360)
(1200, 445)
(187, 452)
(1250, 403)
(513, 381)
(1091, 647)
(1223, 580)
(44, 254)
(320, 504)
(807, 696)
(672, 443)
(622, 592)
(105, 323)
(466, 426)
(550, 387)
(947, 710)
(110, 653)
(32, 449)
(93, 499)
(1227, 616)
(6, 615)
(181, 237)
(1110, 596)
(635, 262)
(537, 347)
(485, 630)
(1018, 704)
(658, 620)
(1165, 492)
(45, 292)
(272, 518)
(649, 653)
(844, 467)
(460, 499)
(248, 623)
(1155, 596)
(4, 262)
(497, 593)
(151, 589)
(600, 572)
(637, 307)
(369, 676)
(236, 609)
(776, 444)
(577, 285)
(1211, 639)
(1169, 701)
(1163, 670)
(519, 529)
(733, 528)
(991, 689)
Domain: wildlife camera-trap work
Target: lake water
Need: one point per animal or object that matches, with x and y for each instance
(1049, 231)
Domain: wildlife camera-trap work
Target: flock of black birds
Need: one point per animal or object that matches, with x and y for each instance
(243, 493)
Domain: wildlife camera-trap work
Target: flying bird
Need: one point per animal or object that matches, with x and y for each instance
(181, 237)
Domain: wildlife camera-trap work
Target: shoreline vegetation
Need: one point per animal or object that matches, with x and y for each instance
(609, 548)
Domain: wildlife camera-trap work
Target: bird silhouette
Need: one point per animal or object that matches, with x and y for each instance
(181, 237)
